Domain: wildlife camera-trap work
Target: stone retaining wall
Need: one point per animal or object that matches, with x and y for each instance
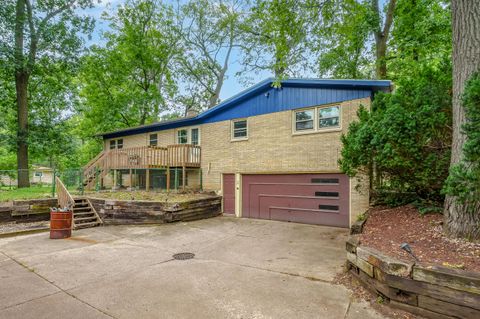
(429, 291)
(122, 212)
(27, 210)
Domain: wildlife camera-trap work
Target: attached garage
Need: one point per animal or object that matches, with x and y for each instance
(321, 199)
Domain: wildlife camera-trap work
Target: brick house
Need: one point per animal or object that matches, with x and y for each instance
(271, 152)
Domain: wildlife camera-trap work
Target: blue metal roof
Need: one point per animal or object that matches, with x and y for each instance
(262, 98)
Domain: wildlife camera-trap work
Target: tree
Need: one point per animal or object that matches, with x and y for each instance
(274, 37)
(405, 136)
(381, 32)
(347, 28)
(462, 216)
(131, 80)
(209, 32)
(341, 36)
(47, 29)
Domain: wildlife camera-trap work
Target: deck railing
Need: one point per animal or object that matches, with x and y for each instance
(65, 200)
(142, 157)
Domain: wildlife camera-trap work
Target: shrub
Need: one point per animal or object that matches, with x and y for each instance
(464, 178)
(403, 142)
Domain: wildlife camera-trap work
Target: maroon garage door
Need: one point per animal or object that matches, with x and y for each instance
(321, 199)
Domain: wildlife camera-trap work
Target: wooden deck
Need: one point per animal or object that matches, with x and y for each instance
(144, 157)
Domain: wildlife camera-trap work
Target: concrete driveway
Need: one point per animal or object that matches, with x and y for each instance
(243, 268)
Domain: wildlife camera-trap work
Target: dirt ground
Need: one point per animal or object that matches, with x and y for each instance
(387, 228)
(360, 293)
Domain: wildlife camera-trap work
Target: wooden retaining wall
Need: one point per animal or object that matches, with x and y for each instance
(426, 290)
(29, 210)
(122, 212)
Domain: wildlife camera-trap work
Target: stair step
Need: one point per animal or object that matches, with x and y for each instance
(85, 218)
(83, 213)
(75, 208)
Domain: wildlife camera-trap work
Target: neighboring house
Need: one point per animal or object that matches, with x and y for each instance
(38, 175)
(272, 152)
(41, 175)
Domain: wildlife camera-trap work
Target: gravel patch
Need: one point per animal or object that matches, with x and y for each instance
(15, 227)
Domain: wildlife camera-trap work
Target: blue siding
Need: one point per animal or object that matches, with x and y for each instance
(263, 99)
(287, 98)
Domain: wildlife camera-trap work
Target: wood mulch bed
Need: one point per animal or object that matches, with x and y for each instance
(387, 228)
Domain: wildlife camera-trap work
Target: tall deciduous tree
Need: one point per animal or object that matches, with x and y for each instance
(34, 30)
(274, 39)
(131, 80)
(462, 217)
(209, 31)
(350, 34)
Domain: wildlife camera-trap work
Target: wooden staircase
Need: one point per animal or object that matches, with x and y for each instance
(84, 214)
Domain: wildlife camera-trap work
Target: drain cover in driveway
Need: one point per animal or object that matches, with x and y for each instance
(183, 256)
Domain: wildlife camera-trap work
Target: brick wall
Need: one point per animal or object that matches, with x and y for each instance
(271, 146)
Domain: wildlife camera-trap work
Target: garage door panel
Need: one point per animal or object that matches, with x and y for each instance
(305, 216)
(324, 179)
(264, 202)
(305, 198)
(292, 189)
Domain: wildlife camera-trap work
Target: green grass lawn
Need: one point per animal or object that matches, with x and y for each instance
(7, 194)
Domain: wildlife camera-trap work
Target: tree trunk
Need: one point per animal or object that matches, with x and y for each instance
(21, 85)
(21, 82)
(381, 36)
(381, 53)
(463, 219)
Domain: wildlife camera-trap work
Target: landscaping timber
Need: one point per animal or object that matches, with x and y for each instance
(426, 290)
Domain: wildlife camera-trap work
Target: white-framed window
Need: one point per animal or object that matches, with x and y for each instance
(316, 119)
(239, 129)
(305, 120)
(116, 144)
(120, 143)
(182, 136)
(194, 136)
(153, 139)
(189, 135)
(38, 174)
(329, 117)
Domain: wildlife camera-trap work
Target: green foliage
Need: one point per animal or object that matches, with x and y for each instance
(403, 142)
(361, 217)
(275, 37)
(428, 207)
(343, 39)
(464, 178)
(406, 137)
(129, 82)
(209, 32)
